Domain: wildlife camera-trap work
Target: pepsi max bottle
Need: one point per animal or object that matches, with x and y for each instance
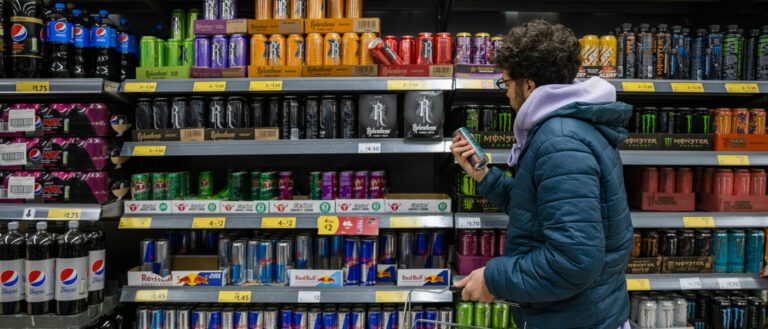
(11, 270)
(126, 46)
(26, 34)
(40, 271)
(96, 263)
(59, 43)
(71, 272)
(82, 61)
(104, 44)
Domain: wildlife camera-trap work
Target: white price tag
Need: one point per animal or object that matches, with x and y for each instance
(369, 148)
(470, 222)
(690, 284)
(29, 213)
(21, 120)
(21, 188)
(13, 154)
(729, 283)
(309, 296)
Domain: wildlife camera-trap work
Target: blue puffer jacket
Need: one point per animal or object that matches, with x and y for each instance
(570, 233)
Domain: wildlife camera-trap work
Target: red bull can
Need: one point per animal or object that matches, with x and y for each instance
(147, 254)
(390, 318)
(387, 248)
(315, 318)
(356, 319)
(374, 318)
(227, 318)
(264, 264)
(240, 318)
(255, 319)
(300, 318)
(322, 253)
(330, 318)
(445, 315)
(405, 250)
(238, 267)
(352, 262)
(303, 252)
(158, 316)
(169, 318)
(420, 249)
(182, 317)
(286, 318)
(368, 261)
(270, 318)
(337, 251)
(198, 319)
(478, 160)
(430, 314)
(437, 250)
(282, 261)
(213, 319)
(417, 313)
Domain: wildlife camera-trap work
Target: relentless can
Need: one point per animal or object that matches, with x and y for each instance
(141, 188)
(350, 49)
(384, 53)
(162, 54)
(720, 250)
(179, 113)
(478, 160)
(607, 51)
(590, 50)
(328, 117)
(187, 56)
(263, 9)
(259, 50)
(365, 55)
(314, 43)
(217, 113)
(443, 44)
(294, 50)
(332, 49)
(211, 9)
(228, 9)
(238, 50)
(280, 9)
(334, 8)
(407, 49)
(148, 46)
(276, 50)
(348, 117)
(202, 52)
(178, 25)
(192, 16)
(219, 52)
(312, 115)
(754, 251)
(298, 9)
(391, 41)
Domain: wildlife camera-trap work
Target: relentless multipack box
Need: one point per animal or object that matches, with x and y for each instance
(378, 116)
(424, 115)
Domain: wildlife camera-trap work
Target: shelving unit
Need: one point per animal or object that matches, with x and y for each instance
(299, 221)
(56, 89)
(640, 219)
(668, 158)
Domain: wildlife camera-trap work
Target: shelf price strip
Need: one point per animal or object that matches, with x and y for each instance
(64, 214)
(469, 222)
(266, 85)
(234, 297)
(742, 88)
(209, 86)
(342, 225)
(397, 296)
(638, 86)
(476, 84)
(679, 87)
(278, 222)
(699, 222)
(733, 160)
(157, 295)
(135, 223)
(406, 222)
(409, 85)
(638, 284)
(149, 151)
(140, 87)
(728, 283)
(690, 284)
(208, 222)
(33, 86)
(309, 297)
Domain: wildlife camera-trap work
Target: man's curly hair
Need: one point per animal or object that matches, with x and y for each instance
(540, 52)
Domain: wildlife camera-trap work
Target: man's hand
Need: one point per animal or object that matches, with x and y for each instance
(462, 151)
(474, 287)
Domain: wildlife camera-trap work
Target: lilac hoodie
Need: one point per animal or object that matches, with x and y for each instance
(549, 98)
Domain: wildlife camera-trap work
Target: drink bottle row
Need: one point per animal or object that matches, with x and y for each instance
(178, 50)
(700, 120)
(61, 43)
(495, 315)
(92, 153)
(44, 272)
(702, 310)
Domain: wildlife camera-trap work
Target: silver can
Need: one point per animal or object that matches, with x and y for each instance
(237, 262)
(169, 319)
(646, 313)
(143, 318)
(250, 271)
(147, 253)
(225, 245)
(240, 318)
(227, 318)
(303, 252)
(182, 317)
(445, 315)
(282, 261)
(634, 304)
(270, 318)
(405, 250)
(665, 313)
(681, 312)
(162, 257)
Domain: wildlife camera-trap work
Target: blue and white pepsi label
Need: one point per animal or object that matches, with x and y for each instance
(40, 280)
(71, 278)
(82, 37)
(96, 268)
(126, 43)
(11, 280)
(103, 37)
(62, 32)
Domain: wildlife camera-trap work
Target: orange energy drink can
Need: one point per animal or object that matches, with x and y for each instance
(365, 56)
(740, 121)
(590, 47)
(315, 9)
(280, 9)
(607, 56)
(294, 49)
(335, 8)
(263, 9)
(259, 50)
(332, 49)
(721, 121)
(757, 121)
(276, 50)
(298, 9)
(350, 49)
(354, 8)
(314, 49)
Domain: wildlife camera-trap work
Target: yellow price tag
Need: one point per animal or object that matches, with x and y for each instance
(149, 151)
(234, 296)
(679, 87)
(398, 296)
(327, 225)
(476, 84)
(140, 87)
(406, 222)
(744, 88)
(409, 84)
(33, 86)
(158, 295)
(490, 159)
(266, 85)
(638, 284)
(733, 160)
(638, 86)
(209, 86)
(708, 222)
(278, 222)
(134, 222)
(209, 222)
(64, 214)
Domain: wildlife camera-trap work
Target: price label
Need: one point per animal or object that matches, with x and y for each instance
(406, 222)
(708, 222)
(29, 213)
(733, 160)
(158, 295)
(33, 86)
(21, 187)
(476, 84)
(646, 87)
(135, 223)
(369, 148)
(690, 284)
(309, 296)
(398, 296)
(728, 283)
(469, 222)
(149, 151)
(207, 86)
(140, 87)
(409, 85)
(638, 284)
(327, 225)
(278, 222)
(742, 88)
(208, 222)
(266, 86)
(679, 87)
(234, 296)
(490, 159)
(22, 120)
(64, 214)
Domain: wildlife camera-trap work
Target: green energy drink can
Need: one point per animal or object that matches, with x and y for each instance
(472, 117)
(267, 185)
(159, 186)
(500, 316)
(175, 186)
(162, 56)
(175, 56)
(178, 25)
(483, 315)
(315, 185)
(236, 183)
(187, 188)
(141, 187)
(205, 184)
(192, 16)
(464, 311)
(467, 184)
(504, 121)
(148, 45)
(255, 185)
(188, 52)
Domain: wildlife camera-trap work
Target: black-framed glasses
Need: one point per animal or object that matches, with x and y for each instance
(502, 84)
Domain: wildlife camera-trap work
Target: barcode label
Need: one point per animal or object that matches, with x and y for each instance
(266, 133)
(294, 134)
(441, 70)
(21, 188)
(13, 154)
(21, 120)
(3, 127)
(366, 25)
(192, 135)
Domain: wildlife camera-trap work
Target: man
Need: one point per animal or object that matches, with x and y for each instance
(569, 234)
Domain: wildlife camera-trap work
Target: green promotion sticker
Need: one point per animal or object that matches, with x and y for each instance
(211, 207)
(261, 208)
(442, 206)
(325, 207)
(163, 206)
(376, 206)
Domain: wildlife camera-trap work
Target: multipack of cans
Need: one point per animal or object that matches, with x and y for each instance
(55, 186)
(425, 49)
(305, 9)
(479, 49)
(738, 121)
(495, 315)
(90, 153)
(703, 309)
(179, 49)
(59, 119)
(486, 117)
(486, 243)
(722, 181)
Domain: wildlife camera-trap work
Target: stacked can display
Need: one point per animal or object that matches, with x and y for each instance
(424, 49)
(478, 49)
(307, 9)
(671, 120)
(704, 309)
(178, 50)
(485, 117)
(495, 315)
(738, 121)
(486, 243)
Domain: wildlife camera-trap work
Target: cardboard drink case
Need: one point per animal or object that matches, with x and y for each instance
(424, 115)
(378, 116)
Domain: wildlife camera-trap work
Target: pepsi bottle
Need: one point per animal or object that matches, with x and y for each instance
(59, 43)
(26, 34)
(11, 270)
(71, 272)
(104, 44)
(96, 263)
(82, 62)
(126, 46)
(40, 271)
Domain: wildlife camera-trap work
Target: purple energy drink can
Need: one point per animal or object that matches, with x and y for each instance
(345, 185)
(480, 44)
(501, 242)
(376, 185)
(368, 261)
(238, 50)
(360, 184)
(210, 9)
(487, 243)
(463, 48)
(202, 51)
(228, 9)
(467, 243)
(219, 52)
(351, 262)
(328, 185)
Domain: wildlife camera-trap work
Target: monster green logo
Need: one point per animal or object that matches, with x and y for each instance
(689, 119)
(649, 123)
(261, 208)
(706, 124)
(163, 206)
(504, 122)
(667, 142)
(468, 203)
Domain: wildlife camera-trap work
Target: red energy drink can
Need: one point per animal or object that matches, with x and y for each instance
(467, 243)
(708, 180)
(721, 121)
(376, 185)
(478, 160)
(667, 180)
(698, 179)
(383, 53)
(723, 183)
(740, 121)
(684, 180)
(487, 244)
(407, 49)
(741, 182)
(425, 51)
(391, 41)
(757, 121)
(443, 48)
(501, 242)
(757, 178)
(650, 180)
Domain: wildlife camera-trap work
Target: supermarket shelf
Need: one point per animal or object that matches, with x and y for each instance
(243, 85)
(61, 211)
(291, 294)
(288, 147)
(60, 87)
(659, 86)
(480, 220)
(302, 221)
(52, 321)
(640, 219)
(670, 158)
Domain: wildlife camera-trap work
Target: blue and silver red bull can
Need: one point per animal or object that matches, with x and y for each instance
(430, 314)
(169, 319)
(356, 319)
(437, 256)
(270, 318)
(255, 319)
(322, 253)
(237, 263)
(300, 318)
(390, 318)
(420, 249)
(202, 51)
(219, 52)
(286, 318)
(227, 318)
(337, 252)
(736, 246)
(251, 260)
(753, 261)
(388, 248)
(368, 261)
(240, 318)
(344, 318)
(303, 252)
(374, 318)
(478, 160)
(315, 318)
(182, 317)
(238, 50)
(330, 318)
(147, 254)
(282, 261)
(213, 318)
(198, 318)
(264, 264)
(351, 262)
(417, 314)
(158, 317)
(719, 249)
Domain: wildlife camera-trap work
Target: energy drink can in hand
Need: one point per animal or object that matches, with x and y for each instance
(478, 160)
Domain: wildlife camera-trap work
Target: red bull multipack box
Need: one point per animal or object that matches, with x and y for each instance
(423, 277)
(315, 278)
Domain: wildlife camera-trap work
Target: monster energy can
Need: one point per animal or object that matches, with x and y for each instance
(466, 184)
(504, 119)
(483, 314)
(648, 125)
(464, 311)
(315, 187)
(472, 117)
(500, 316)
